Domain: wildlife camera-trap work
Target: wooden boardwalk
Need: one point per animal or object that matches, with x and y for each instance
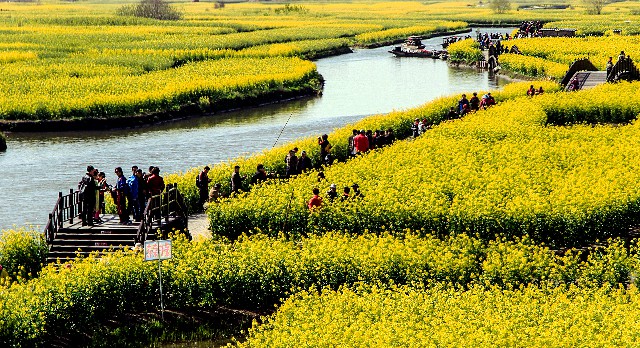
(68, 238)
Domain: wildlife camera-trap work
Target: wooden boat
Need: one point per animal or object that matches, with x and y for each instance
(413, 47)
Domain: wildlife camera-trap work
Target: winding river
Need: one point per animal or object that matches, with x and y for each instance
(370, 81)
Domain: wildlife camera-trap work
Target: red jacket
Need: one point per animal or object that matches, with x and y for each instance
(155, 184)
(315, 201)
(361, 143)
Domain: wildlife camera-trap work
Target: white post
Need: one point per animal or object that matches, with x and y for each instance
(160, 280)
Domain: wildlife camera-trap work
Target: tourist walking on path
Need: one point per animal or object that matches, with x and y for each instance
(202, 183)
(291, 160)
(352, 148)
(304, 162)
(121, 193)
(609, 66)
(316, 200)
(325, 149)
(88, 188)
(361, 142)
(260, 174)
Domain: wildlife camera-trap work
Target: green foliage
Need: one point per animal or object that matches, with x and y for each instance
(22, 252)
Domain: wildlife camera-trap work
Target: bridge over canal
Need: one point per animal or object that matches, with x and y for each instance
(67, 238)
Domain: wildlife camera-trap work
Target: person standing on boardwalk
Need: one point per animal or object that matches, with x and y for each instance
(87, 188)
(155, 183)
(121, 193)
(103, 187)
(134, 186)
(202, 183)
(143, 192)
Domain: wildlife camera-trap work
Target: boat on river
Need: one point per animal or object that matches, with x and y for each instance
(413, 47)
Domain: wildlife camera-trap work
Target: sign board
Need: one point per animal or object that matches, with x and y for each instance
(157, 250)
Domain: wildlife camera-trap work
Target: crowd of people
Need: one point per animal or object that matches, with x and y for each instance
(348, 194)
(130, 193)
(452, 39)
(532, 91)
(362, 141)
(529, 29)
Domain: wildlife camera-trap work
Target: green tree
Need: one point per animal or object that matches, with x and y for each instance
(500, 6)
(156, 9)
(595, 6)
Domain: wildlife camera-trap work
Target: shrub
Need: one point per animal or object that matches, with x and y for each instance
(22, 252)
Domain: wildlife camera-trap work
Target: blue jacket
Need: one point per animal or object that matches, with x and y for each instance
(133, 186)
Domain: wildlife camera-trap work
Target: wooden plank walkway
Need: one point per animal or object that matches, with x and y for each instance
(68, 238)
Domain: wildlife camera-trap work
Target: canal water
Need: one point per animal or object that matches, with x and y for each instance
(369, 81)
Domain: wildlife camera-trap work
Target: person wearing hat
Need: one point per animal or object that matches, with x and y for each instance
(356, 191)
(332, 193)
(304, 162)
(215, 193)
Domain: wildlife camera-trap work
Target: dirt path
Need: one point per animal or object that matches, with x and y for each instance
(199, 226)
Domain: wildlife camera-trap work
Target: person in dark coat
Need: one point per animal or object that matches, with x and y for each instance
(236, 180)
(121, 193)
(291, 160)
(203, 186)
(87, 188)
(260, 175)
(304, 162)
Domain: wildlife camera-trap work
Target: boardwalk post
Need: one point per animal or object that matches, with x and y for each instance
(49, 231)
(71, 206)
(60, 207)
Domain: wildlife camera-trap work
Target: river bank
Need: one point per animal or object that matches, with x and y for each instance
(194, 109)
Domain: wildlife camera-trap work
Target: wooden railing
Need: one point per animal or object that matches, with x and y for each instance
(160, 210)
(67, 208)
(577, 65)
(624, 68)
